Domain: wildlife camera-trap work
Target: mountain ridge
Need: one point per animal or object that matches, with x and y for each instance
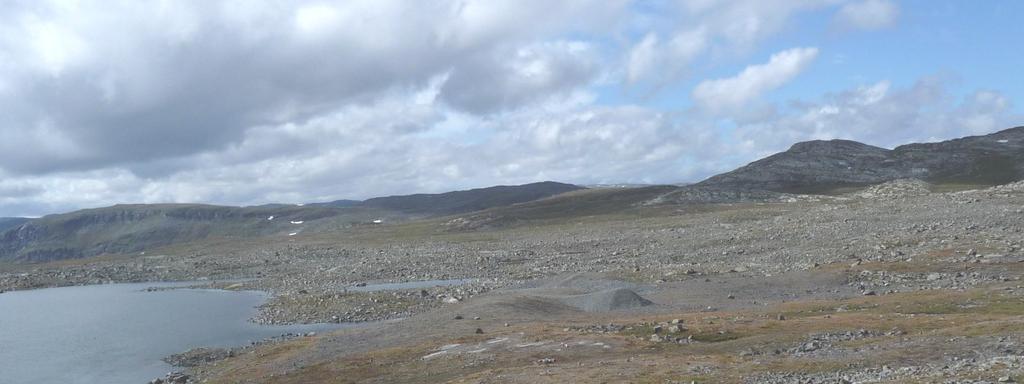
(820, 165)
(128, 228)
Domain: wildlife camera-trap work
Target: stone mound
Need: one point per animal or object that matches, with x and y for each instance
(608, 300)
(1011, 187)
(897, 188)
(584, 282)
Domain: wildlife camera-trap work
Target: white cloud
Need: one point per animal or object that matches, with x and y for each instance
(354, 152)
(868, 15)
(743, 23)
(728, 93)
(112, 76)
(506, 79)
(55, 47)
(664, 62)
(881, 115)
(675, 39)
(317, 18)
(642, 58)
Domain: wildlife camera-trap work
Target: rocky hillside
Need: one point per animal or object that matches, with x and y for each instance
(9, 222)
(576, 204)
(820, 166)
(806, 168)
(470, 200)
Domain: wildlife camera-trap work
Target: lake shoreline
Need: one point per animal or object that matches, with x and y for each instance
(125, 332)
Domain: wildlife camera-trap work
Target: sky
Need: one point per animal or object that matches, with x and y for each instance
(250, 102)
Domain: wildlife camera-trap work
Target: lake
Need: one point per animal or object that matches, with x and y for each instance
(118, 333)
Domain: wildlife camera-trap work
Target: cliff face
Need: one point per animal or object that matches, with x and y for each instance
(817, 166)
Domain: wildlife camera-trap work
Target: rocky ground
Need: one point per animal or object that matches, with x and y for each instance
(896, 283)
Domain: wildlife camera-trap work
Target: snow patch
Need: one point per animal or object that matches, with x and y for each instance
(435, 354)
(534, 344)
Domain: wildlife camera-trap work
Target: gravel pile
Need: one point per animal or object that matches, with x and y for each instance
(608, 300)
(896, 189)
(1000, 369)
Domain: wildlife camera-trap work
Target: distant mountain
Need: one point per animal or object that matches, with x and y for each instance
(123, 229)
(131, 228)
(338, 203)
(470, 200)
(10, 222)
(620, 185)
(820, 166)
(808, 167)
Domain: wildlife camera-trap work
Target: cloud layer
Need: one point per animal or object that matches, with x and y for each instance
(868, 14)
(237, 103)
(882, 115)
(85, 92)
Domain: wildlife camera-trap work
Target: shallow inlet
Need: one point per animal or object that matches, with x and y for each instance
(118, 333)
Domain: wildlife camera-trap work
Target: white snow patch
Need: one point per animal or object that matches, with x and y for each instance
(539, 343)
(1004, 141)
(298, 222)
(293, 234)
(435, 354)
(270, 218)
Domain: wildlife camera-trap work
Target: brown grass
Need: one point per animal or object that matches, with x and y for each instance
(929, 317)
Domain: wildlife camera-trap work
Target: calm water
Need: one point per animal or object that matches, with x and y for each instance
(117, 333)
